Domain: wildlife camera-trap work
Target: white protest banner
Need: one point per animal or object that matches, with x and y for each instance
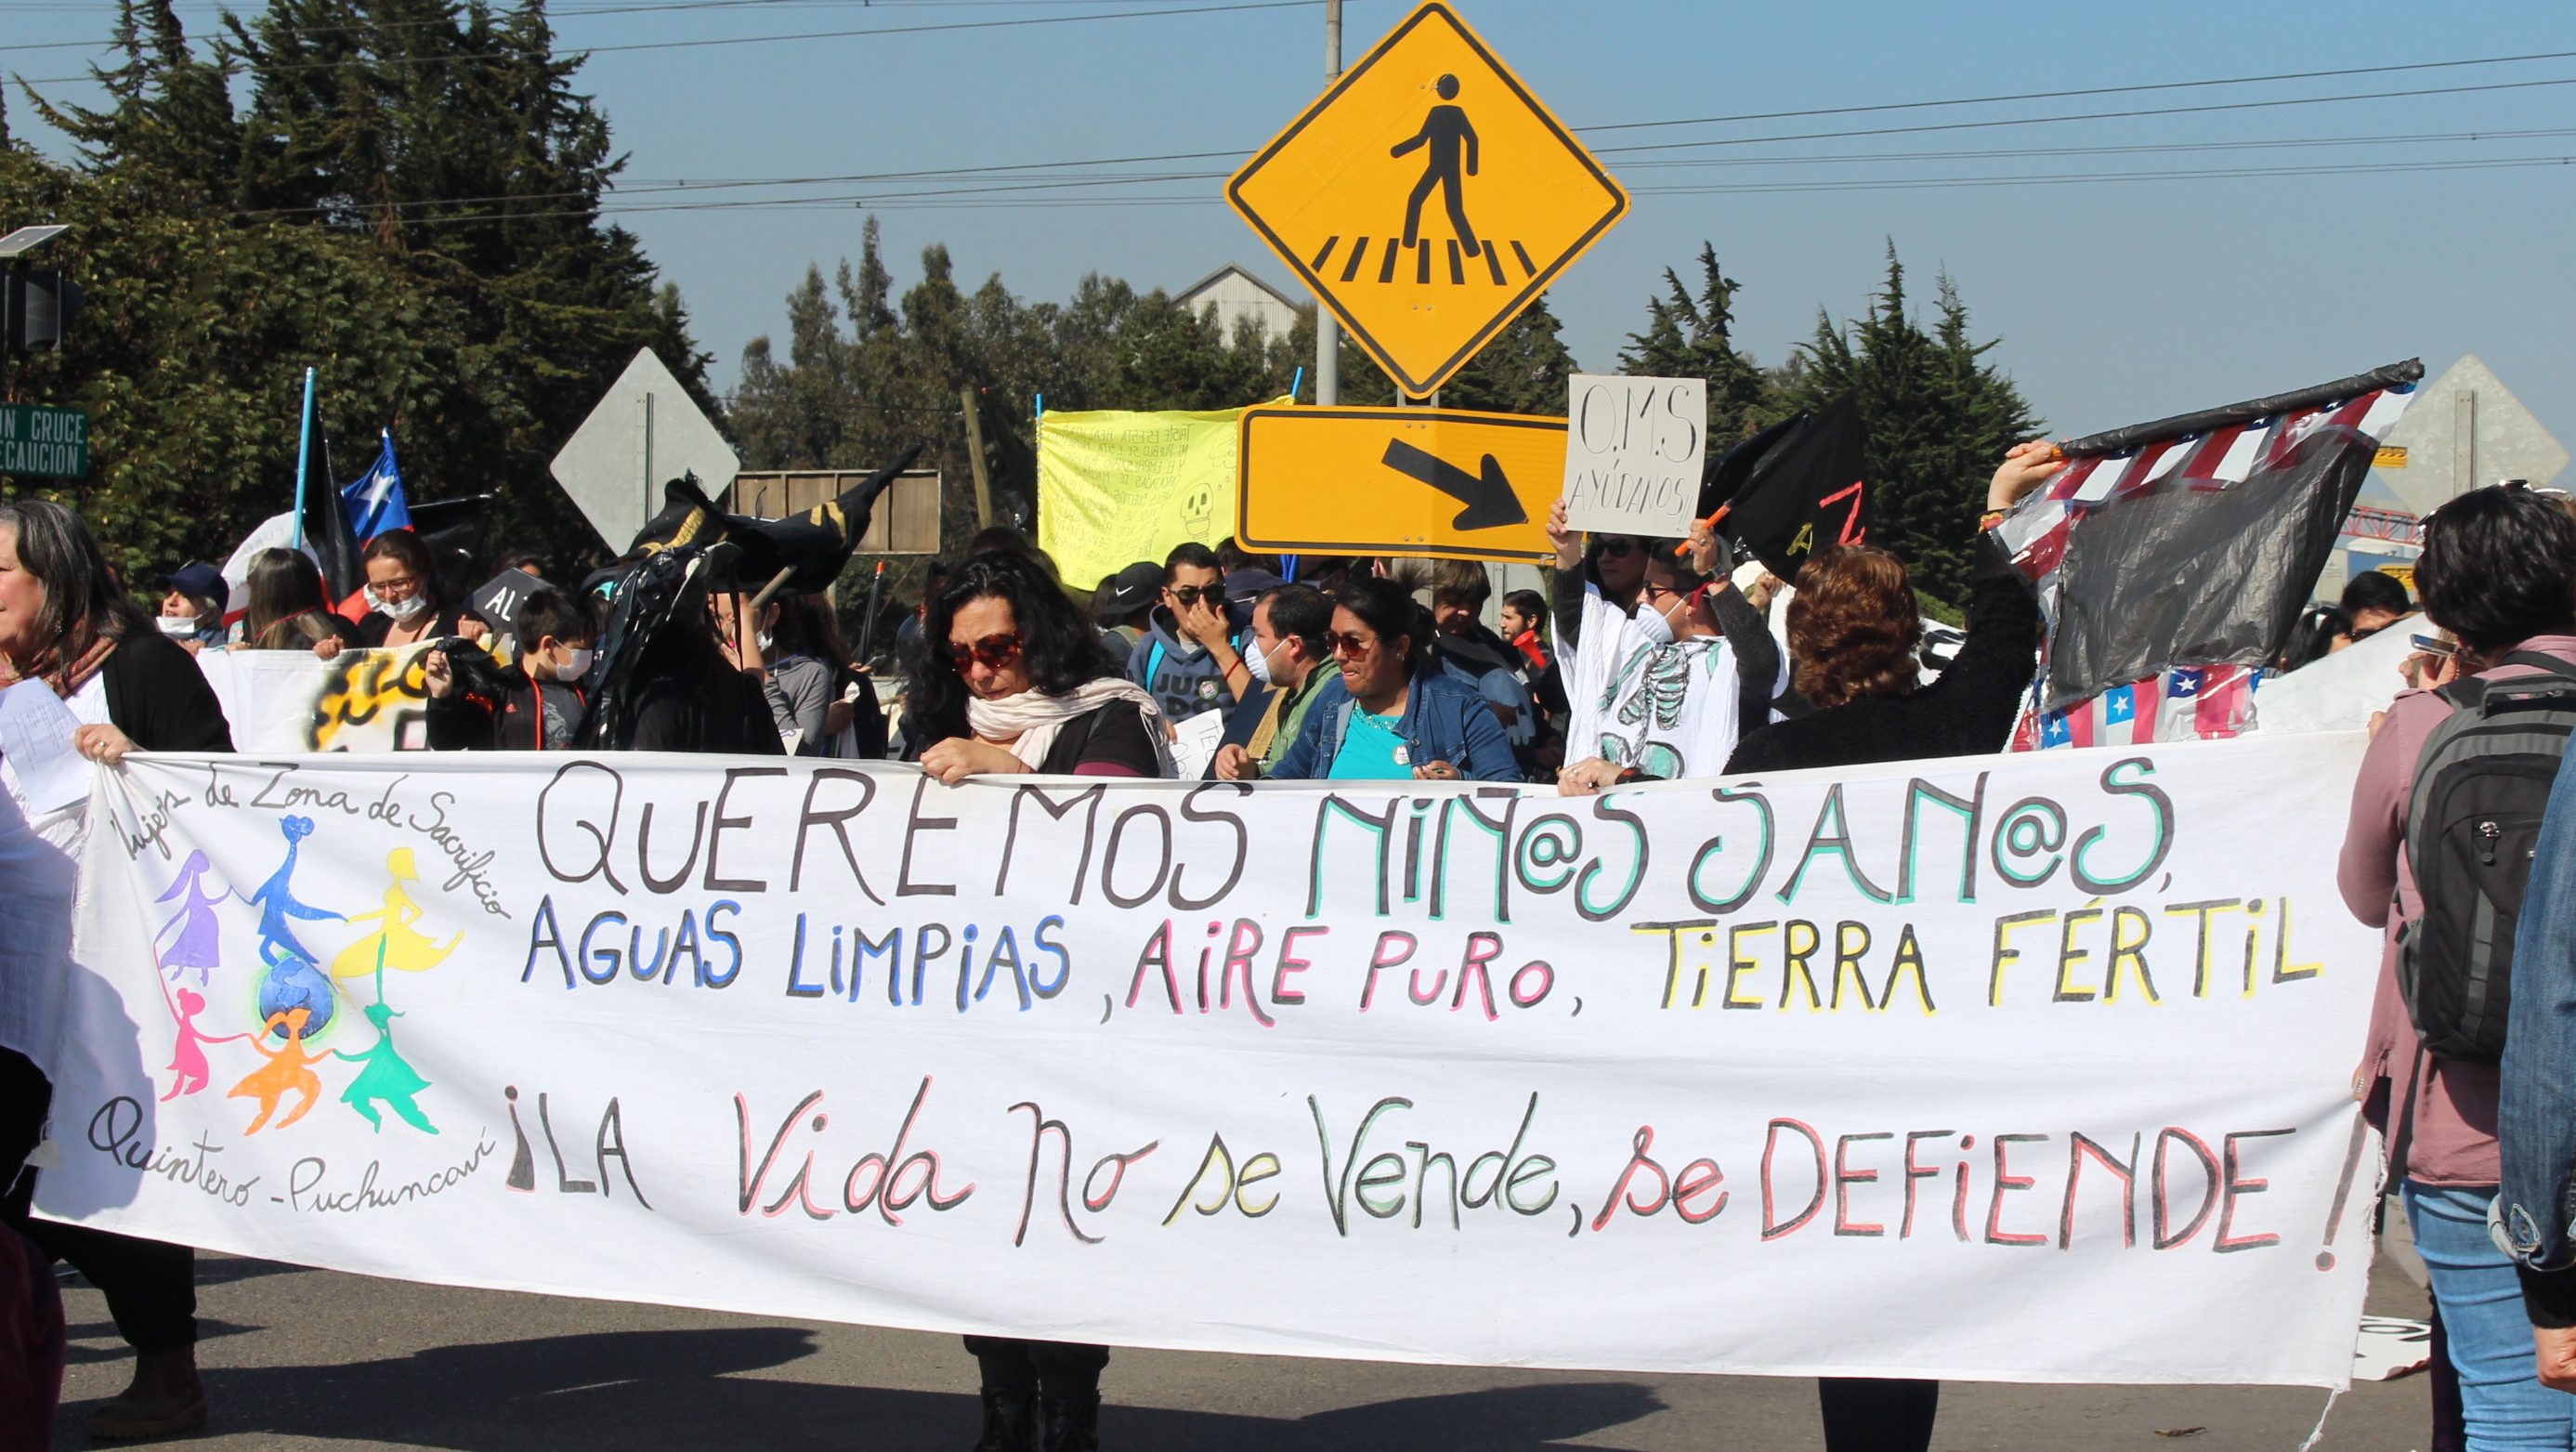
(1633, 452)
(2030, 1068)
(2339, 692)
(288, 700)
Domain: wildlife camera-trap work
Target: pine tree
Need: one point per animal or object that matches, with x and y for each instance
(1694, 337)
(1937, 418)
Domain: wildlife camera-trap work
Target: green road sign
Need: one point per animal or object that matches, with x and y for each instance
(50, 442)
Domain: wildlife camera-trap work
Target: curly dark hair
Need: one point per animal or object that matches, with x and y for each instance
(2497, 567)
(1854, 626)
(1062, 649)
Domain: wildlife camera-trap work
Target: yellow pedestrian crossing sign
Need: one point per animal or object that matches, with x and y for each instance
(1427, 198)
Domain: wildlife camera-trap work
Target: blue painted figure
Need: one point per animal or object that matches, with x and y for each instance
(294, 981)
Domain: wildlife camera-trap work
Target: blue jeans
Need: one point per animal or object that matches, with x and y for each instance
(2501, 1397)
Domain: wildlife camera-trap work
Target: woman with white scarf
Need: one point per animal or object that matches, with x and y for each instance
(1007, 677)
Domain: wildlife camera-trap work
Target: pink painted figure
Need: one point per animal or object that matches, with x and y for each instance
(188, 1067)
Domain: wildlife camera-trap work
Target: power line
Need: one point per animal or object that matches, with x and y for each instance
(553, 14)
(2089, 91)
(702, 42)
(2089, 116)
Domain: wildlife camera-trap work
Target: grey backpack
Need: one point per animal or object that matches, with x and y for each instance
(2481, 787)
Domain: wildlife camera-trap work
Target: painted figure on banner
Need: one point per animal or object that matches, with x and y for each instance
(288, 1071)
(397, 944)
(385, 1077)
(293, 982)
(196, 945)
(188, 1066)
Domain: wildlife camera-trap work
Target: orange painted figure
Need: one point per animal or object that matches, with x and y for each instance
(395, 944)
(288, 1071)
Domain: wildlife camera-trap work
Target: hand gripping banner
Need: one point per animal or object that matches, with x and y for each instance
(2015, 1068)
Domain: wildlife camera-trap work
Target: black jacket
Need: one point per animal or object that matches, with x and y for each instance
(1968, 712)
(160, 700)
(520, 715)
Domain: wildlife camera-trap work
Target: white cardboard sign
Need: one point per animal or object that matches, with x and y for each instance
(1633, 451)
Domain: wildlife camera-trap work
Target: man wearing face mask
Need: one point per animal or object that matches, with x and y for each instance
(535, 705)
(1292, 628)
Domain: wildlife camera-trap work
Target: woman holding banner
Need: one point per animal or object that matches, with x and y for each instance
(1007, 677)
(68, 626)
(1852, 631)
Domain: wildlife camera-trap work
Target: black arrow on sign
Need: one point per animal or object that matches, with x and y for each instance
(1490, 502)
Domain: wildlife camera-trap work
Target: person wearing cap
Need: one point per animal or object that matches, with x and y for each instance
(1189, 659)
(1123, 605)
(192, 606)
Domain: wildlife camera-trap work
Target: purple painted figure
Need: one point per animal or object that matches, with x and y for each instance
(197, 945)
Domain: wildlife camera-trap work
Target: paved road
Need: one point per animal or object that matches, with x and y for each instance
(301, 1359)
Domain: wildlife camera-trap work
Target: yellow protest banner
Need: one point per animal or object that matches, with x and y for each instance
(1115, 487)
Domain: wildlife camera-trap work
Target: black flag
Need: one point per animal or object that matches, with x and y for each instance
(815, 545)
(1793, 489)
(327, 531)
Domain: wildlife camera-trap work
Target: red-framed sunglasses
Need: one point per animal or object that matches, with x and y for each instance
(992, 652)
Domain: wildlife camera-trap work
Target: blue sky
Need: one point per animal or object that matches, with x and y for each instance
(2115, 301)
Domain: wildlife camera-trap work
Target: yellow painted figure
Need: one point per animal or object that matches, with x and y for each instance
(395, 944)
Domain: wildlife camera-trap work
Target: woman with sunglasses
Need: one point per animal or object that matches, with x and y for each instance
(1393, 715)
(1008, 677)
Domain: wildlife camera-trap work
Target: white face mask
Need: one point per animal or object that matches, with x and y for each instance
(407, 608)
(576, 664)
(181, 626)
(1657, 629)
(767, 640)
(1259, 664)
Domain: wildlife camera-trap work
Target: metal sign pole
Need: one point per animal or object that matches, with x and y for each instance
(648, 454)
(1328, 329)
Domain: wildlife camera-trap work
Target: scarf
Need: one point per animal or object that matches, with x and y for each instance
(66, 678)
(1031, 720)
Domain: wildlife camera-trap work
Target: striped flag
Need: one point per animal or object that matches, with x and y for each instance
(2169, 557)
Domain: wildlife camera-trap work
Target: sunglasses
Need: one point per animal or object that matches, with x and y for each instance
(1193, 594)
(992, 652)
(1350, 644)
(1619, 548)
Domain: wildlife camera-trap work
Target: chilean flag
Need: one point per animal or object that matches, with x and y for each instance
(375, 501)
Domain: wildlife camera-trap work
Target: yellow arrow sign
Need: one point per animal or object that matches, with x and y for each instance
(1427, 198)
(1398, 481)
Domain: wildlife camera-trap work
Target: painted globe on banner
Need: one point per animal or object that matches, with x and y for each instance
(291, 985)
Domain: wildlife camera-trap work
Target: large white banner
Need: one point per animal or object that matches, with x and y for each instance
(2029, 1068)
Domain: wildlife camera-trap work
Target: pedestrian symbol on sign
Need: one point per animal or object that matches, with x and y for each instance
(1449, 137)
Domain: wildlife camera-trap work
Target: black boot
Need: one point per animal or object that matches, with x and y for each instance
(1010, 1422)
(1072, 1423)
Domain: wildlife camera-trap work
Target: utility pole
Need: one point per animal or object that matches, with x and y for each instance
(1328, 329)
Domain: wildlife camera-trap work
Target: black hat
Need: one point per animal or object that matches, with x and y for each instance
(1135, 587)
(198, 581)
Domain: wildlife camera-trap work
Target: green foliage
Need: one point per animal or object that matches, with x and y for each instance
(421, 226)
(1691, 336)
(866, 375)
(1938, 419)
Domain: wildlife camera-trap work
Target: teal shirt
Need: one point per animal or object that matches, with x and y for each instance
(1369, 750)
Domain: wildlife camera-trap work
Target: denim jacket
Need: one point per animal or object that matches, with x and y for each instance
(2536, 1111)
(1442, 721)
